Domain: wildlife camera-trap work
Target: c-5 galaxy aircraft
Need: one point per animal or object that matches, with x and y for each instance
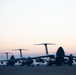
(59, 60)
(12, 60)
(9, 62)
(28, 61)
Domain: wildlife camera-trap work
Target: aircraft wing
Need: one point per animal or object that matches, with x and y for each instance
(3, 60)
(8, 60)
(17, 59)
(52, 56)
(23, 58)
(74, 57)
(69, 56)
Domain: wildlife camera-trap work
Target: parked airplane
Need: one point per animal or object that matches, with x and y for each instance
(60, 58)
(13, 60)
(28, 61)
(9, 62)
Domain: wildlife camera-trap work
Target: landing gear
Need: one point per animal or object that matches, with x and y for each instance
(59, 61)
(70, 63)
(49, 63)
(10, 64)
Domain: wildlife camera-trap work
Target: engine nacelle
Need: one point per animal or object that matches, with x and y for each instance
(1, 62)
(39, 60)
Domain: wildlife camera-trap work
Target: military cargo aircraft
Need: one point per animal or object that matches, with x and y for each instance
(58, 59)
(9, 62)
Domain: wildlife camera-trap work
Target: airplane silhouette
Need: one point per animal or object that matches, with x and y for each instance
(9, 62)
(29, 60)
(59, 60)
(12, 60)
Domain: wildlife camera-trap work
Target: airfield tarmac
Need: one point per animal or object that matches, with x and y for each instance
(38, 70)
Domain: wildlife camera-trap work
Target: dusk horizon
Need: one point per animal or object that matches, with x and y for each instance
(24, 23)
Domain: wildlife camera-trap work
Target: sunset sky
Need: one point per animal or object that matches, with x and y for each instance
(24, 23)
